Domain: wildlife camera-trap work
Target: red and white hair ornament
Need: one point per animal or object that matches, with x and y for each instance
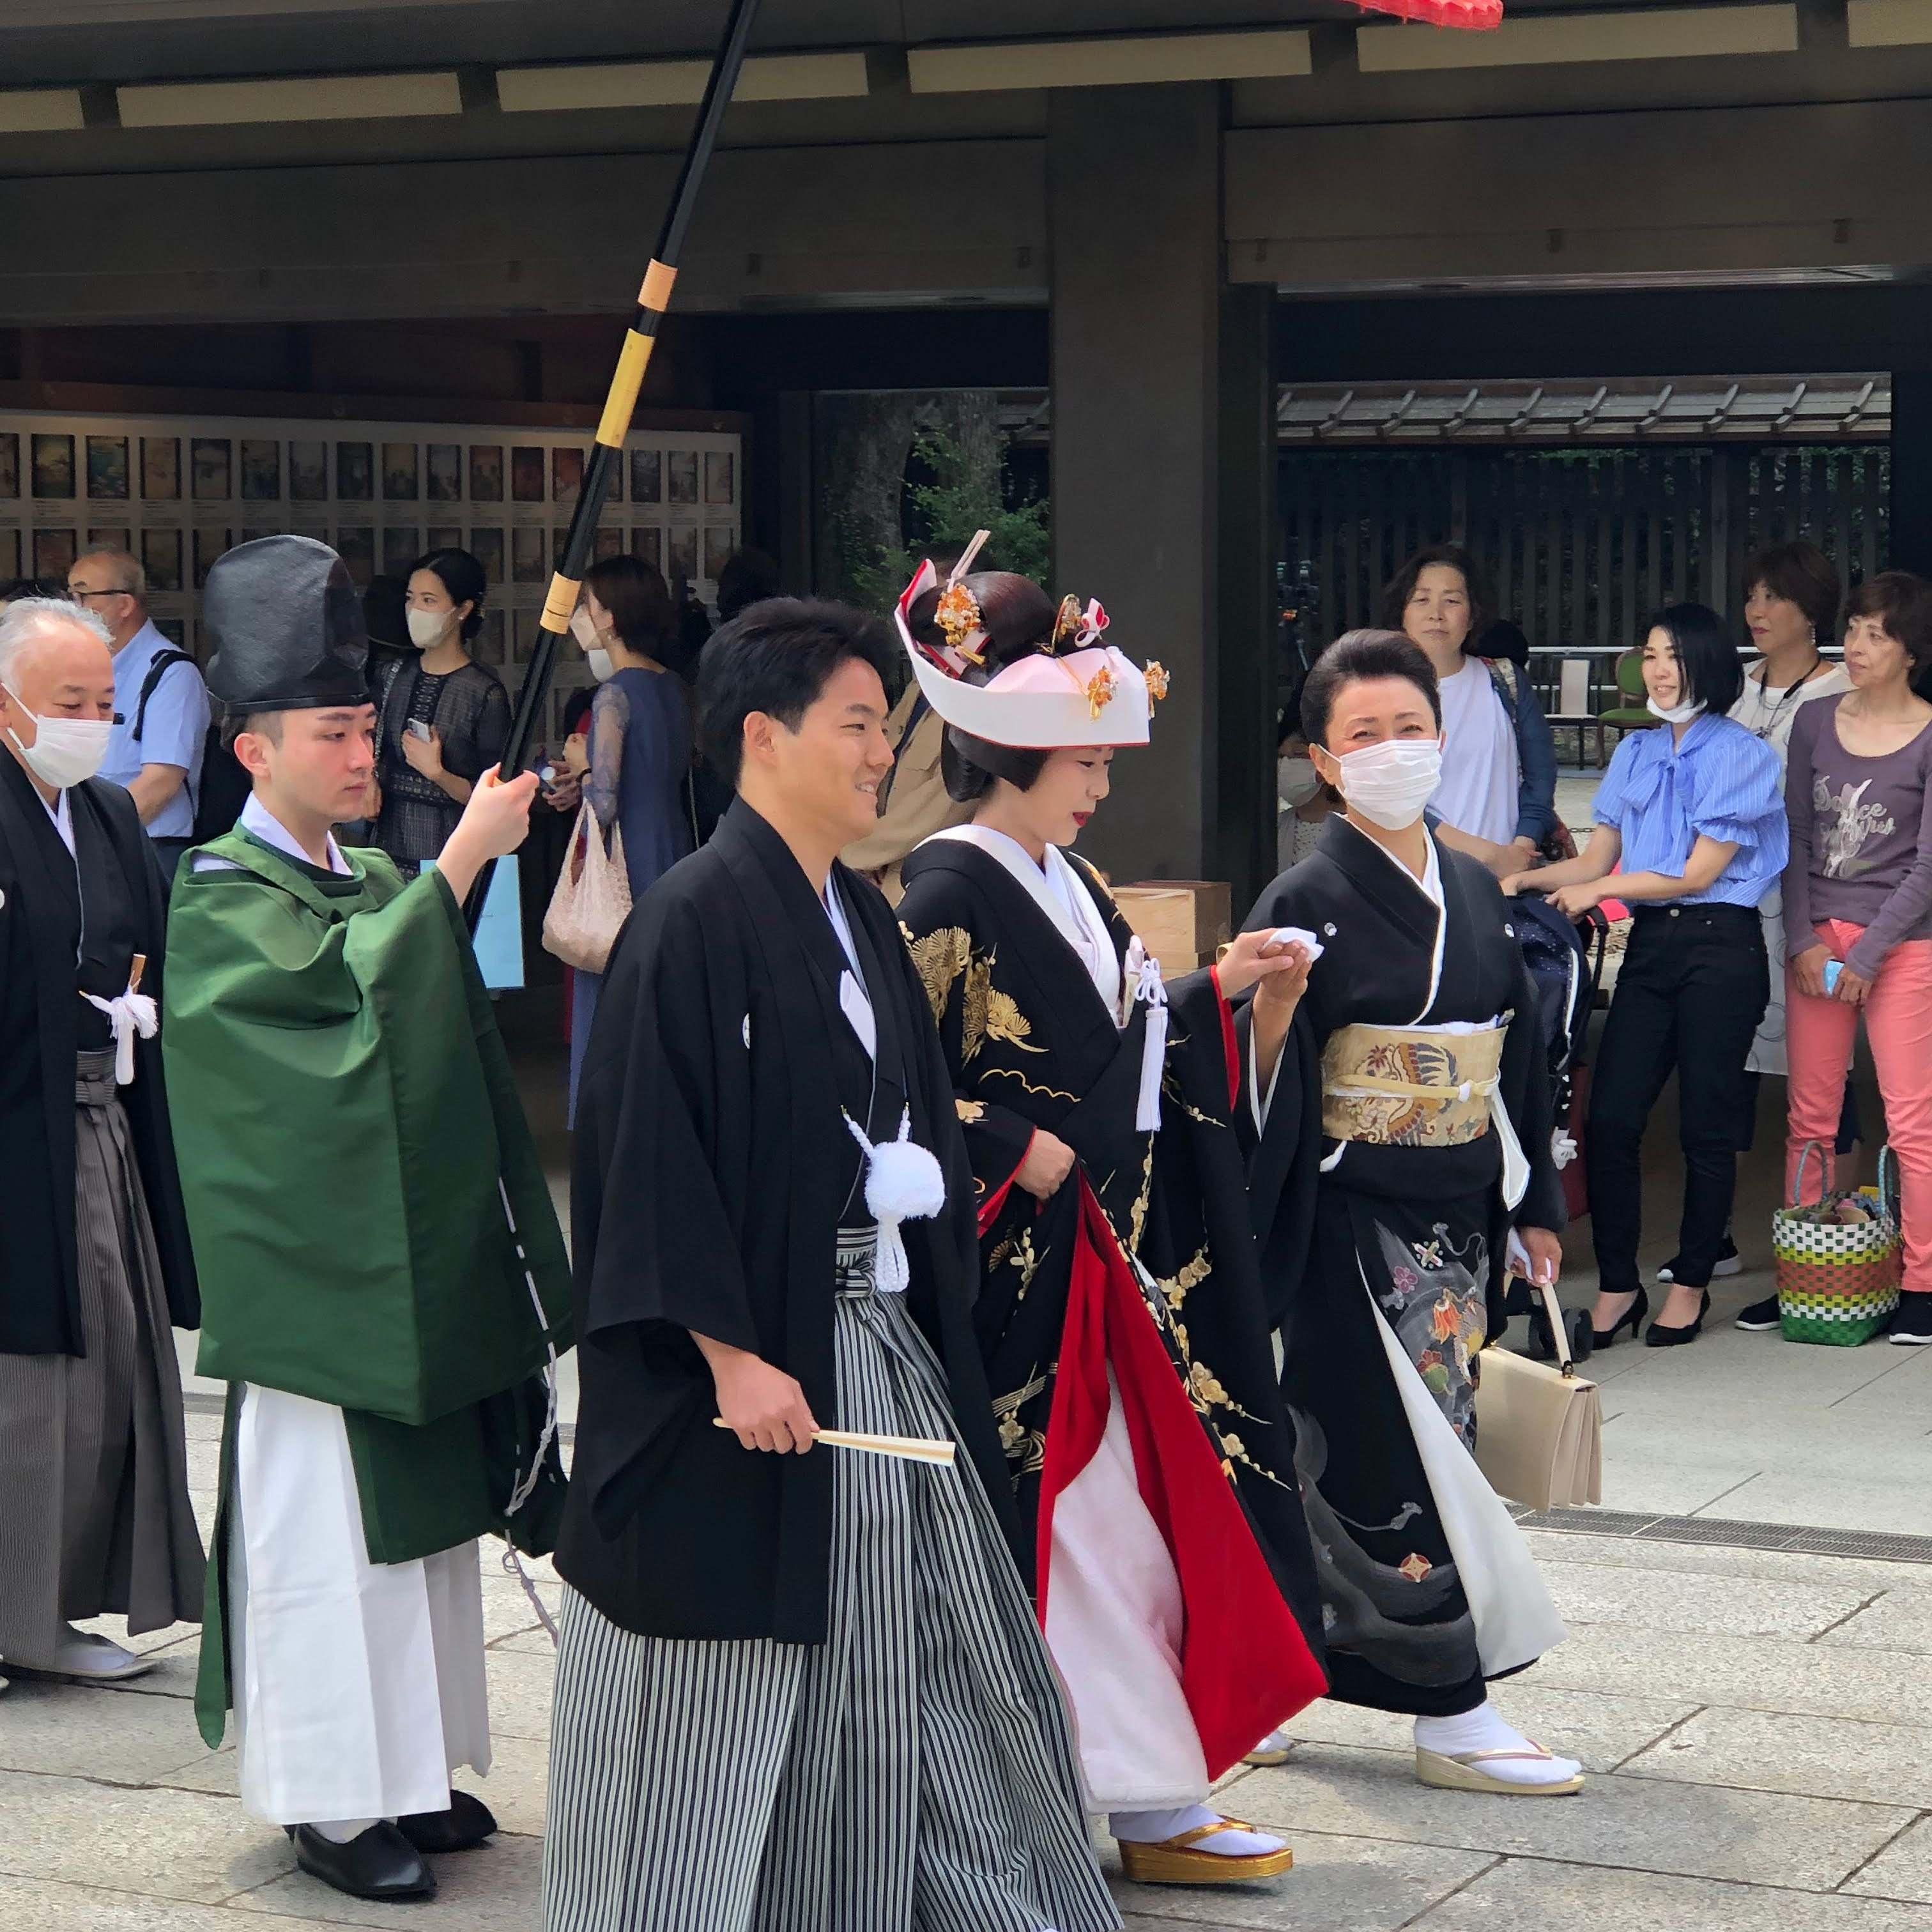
(1075, 690)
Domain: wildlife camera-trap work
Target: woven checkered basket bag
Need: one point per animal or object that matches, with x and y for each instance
(1837, 1282)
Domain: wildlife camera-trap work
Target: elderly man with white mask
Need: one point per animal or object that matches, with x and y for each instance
(94, 1515)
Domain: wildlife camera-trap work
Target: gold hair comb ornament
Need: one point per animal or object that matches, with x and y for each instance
(957, 614)
(1065, 621)
(1156, 680)
(1099, 690)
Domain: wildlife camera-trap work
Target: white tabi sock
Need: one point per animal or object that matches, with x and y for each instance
(1483, 1730)
(1152, 1828)
(341, 1831)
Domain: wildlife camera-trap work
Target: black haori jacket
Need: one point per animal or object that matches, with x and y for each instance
(40, 1012)
(713, 1169)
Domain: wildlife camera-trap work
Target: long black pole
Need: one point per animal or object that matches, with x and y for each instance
(608, 452)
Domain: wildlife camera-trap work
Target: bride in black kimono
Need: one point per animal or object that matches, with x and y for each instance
(1120, 1310)
(1403, 1164)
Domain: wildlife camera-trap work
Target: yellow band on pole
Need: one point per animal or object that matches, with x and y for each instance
(561, 602)
(655, 293)
(615, 423)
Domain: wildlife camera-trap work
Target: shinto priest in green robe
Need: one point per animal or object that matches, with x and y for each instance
(384, 1280)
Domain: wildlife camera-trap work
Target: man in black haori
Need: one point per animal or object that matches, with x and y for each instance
(798, 1692)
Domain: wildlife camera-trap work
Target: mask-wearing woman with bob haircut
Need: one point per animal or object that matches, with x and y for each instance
(1402, 1156)
(1119, 1308)
(1693, 812)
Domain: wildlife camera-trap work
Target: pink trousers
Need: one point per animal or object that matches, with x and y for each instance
(1819, 1036)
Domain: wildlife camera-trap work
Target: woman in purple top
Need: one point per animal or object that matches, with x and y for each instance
(1858, 904)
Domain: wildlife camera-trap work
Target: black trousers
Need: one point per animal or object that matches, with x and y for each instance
(1694, 985)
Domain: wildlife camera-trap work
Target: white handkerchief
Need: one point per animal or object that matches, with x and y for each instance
(1286, 935)
(858, 1011)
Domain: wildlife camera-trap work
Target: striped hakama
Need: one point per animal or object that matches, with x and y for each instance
(94, 1515)
(913, 1771)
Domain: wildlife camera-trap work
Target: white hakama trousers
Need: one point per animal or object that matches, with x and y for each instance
(912, 1774)
(358, 1687)
(1114, 1623)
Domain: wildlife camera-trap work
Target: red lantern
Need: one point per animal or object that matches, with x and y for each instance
(1465, 13)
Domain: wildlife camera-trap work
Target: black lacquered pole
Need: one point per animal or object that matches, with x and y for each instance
(608, 452)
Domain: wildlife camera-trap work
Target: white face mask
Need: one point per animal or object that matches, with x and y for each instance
(1389, 783)
(65, 750)
(1296, 781)
(1673, 714)
(427, 627)
(599, 661)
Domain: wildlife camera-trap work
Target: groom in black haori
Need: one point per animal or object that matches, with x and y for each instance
(801, 1689)
(94, 1265)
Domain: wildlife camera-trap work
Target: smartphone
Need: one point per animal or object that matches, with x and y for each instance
(547, 778)
(418, 729)
(1833, 967)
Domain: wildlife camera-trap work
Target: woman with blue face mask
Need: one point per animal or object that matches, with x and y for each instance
(1693, 812)
(1400, 1135)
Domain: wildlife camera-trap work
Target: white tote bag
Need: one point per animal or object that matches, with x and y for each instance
(592, 898)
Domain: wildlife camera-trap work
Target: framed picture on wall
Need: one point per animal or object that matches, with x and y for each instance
(107, 467)
(108, 539)
(444, 461)
(443, 536)
(681, 552)
(566, 476)
(160, 468)
(208, 544)
(528, 563)
(720, 476)
(261, 470)
(10, 555)
(683, 475)
(646, 476)
(308, 472)
(647, 543)
(399, 472)
(486, 473)
(718, 545)
(355, 545)
(10, 468)
(486, 546)
(53, 553)
(161, 558)
(354, 473)
(609, 541)
(53, 467)
(527, 475)
(400, 549)
(210, 471)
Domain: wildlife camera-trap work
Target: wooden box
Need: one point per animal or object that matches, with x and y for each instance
(1180, 921)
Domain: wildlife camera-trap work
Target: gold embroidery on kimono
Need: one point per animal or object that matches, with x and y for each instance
(1398, 1087)
(1026, 1447)
(939, 959)
(971, 1112)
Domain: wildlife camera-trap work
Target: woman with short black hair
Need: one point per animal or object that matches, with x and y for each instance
(442, 719)
(1694, 813)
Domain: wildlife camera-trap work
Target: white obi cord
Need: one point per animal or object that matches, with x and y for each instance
(1140, 980)
(903, 1183)
(128, 1014)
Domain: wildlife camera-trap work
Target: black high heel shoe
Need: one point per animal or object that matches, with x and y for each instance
(1661, 1337)
(1631, 1318)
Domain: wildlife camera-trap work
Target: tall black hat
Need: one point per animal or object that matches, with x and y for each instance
(288, 628)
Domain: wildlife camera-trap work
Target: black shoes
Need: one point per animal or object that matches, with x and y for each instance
(1632, 1318)
(381, 1864)
(1661, 1337)
(466, 1823)
(1761, 1318)
(1912, 1326)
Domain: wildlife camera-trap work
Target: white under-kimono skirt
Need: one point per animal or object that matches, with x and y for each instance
(358, 1687)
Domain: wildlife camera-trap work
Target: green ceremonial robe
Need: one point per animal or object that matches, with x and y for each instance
(349, 1134)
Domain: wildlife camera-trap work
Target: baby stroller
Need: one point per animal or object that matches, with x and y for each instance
(1565, 958)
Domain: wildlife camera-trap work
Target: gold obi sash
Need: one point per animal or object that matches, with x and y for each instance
(1410, 1086)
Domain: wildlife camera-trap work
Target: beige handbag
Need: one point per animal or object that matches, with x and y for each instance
(592, 898)
(1539, 1430)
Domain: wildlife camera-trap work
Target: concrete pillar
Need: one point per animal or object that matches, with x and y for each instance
(1163, 469)
(1910, 547)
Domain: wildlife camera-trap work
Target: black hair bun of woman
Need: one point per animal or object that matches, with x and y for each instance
(1017, 617)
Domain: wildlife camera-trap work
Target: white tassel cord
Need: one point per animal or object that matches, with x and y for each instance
(128, 1013)
(1140, 980)
(903, 1183)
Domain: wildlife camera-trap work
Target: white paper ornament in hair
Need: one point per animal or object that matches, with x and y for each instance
(903, 1183)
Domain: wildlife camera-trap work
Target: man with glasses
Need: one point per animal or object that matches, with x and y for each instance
(160, 702)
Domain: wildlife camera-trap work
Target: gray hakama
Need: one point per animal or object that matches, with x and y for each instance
(94, 1515)
(913, 1771)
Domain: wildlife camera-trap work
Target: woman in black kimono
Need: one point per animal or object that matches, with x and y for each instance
(1119, 1308)
(1403, 1160)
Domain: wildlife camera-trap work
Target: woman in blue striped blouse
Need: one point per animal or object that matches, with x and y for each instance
(1694, 813)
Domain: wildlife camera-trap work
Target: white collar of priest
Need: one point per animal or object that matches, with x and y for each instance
(853, 1001)
(257, 818)
(62, 812)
